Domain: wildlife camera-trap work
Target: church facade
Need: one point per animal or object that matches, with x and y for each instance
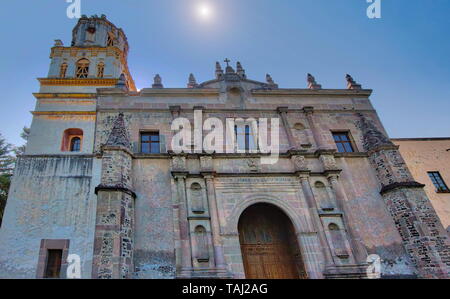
(101, 184)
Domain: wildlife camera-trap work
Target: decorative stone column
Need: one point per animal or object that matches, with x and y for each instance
(314, 242)
(359, 251)
(423, 235)
(218, 251)
(208, 173)
(357, 257)
(282, 111)
(184, 251)
(114, 230)
(309, 112)
(306, 187)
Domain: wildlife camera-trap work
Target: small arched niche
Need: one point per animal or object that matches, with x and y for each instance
(197, 201)
(299, 126)
(323, 196)
(338, 241)
(72, 140)
(201, 244)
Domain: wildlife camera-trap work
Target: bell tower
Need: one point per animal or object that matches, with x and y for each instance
(97, 55)
(66, 101)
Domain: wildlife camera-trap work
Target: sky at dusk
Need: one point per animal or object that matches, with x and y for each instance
(404, 56)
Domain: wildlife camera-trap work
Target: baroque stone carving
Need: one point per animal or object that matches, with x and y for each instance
(179, 163)
(206, 163)
(328, 162)
(119, 134)
(240, 70)
(157, 82)
(270, 82)
(300, 163)
(219, 71)
(192, 83)
(372, 137)
(351, 83)
(253, 165)
(312, 84)
(122, 82)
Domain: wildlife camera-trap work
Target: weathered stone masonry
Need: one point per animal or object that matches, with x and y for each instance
(131, 214)
(423, 235)
(113, 247)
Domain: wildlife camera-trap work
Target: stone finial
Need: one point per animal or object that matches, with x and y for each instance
(240, 70)
(192, 81)
(312, 84)
(270, 81)
(119, 133)
(372, 137)
(351, 83)
(122, 82)
(58, 43)
(229, 70)
(219, 71)
(157, 82)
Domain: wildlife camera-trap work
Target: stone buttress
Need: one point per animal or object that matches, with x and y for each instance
(423, 235)
(113, 246)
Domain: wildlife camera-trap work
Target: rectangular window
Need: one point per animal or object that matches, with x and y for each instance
(54, 261)
(343, 142)
(245, 138)
(150, 143)
(438, 181)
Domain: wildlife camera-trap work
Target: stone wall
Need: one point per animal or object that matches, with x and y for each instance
(422, 156)
(50, 198)
(154, 234)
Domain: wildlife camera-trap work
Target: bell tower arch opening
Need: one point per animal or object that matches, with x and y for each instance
(269, 245)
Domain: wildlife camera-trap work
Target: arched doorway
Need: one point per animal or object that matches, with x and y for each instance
(269, 244)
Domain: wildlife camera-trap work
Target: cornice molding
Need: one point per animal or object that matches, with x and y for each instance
(59, 49)
(63, 113)
(77, 82)
(65, 95)
(312, 92)
(179, 91)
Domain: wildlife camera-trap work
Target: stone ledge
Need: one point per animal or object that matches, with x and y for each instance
(115, 188)
(207, 273)
(394, 186)
(346, 272)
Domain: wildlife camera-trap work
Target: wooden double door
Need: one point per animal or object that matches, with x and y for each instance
(269, 245)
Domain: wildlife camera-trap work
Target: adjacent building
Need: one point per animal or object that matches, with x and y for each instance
(429, 162)
(102, 184)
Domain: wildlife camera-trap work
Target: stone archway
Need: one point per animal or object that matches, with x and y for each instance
(269, 244)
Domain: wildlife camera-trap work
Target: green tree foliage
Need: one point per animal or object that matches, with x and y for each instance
(21, 149)
(7, 164)
(6, 168)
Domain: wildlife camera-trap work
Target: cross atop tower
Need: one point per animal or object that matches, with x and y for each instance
(227, 61)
